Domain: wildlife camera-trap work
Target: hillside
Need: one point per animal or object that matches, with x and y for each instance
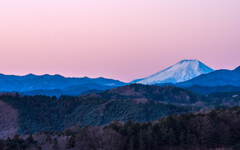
(8, 120)
(139, 93)
(37, 113)
(165, 94)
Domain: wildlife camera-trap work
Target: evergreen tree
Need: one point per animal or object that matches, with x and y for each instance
(30, 140)
(55, 144)
(1, 144)
(171, 137)
(71, 142)
(182, 138)
(49, 139)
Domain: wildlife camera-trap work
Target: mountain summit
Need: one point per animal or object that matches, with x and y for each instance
(180, 72)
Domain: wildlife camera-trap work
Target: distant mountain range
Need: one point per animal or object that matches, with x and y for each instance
(188, 74)
(54, 84)
(180, 72)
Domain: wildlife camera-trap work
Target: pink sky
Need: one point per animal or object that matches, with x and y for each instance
(120, 39)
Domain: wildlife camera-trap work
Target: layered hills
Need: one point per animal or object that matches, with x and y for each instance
(131, 102)
(54, 85)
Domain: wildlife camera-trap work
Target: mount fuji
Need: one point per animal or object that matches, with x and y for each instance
(180, 72)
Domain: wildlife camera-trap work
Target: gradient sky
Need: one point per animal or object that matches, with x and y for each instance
(120, 39)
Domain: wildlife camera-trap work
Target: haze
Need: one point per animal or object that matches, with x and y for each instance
(120, 39)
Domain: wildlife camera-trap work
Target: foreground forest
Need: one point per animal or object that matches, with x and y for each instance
(218, 129)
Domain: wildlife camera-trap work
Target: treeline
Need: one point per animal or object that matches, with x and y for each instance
(17, 143)
(218, 129)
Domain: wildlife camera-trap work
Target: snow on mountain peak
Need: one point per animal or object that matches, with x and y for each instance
(182, 71)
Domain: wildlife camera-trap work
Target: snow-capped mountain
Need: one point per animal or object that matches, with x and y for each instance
(180, 72)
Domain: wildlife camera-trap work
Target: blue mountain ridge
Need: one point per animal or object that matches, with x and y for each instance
(221, 77)
(54, 84)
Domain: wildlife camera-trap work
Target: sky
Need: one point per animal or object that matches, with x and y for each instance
(119, 39)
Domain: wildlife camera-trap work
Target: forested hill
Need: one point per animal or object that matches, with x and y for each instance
(139, 92)
(37, 113)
